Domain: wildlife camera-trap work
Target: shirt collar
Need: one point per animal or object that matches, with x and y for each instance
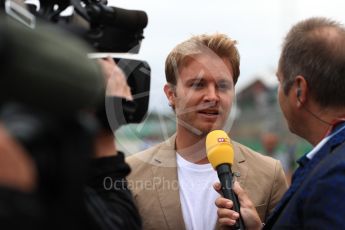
(336, 130)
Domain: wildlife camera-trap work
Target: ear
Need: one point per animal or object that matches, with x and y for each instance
(301, 89)
(170, 93)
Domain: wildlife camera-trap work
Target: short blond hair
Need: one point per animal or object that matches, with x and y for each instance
(220, 44)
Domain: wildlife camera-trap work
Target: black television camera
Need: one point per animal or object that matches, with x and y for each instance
(37, 73)
(47, 87)
(107, 29)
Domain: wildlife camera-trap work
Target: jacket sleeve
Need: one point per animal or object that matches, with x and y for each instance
(108, 198)
(279, 187)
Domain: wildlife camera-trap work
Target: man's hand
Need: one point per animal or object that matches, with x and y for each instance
(116, 86)
(228, 217)
(115, 79)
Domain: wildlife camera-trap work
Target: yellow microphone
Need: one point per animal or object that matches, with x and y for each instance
(220, 154)
(219, 148)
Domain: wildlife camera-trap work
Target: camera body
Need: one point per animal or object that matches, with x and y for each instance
(112, 30)
(48, 87)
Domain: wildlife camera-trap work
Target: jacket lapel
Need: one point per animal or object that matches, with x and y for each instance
(166, 183)
(240, 168)
(302, 172)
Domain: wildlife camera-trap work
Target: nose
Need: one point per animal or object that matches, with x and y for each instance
(212, 94)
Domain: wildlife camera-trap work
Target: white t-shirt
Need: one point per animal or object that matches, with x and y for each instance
(197, 194)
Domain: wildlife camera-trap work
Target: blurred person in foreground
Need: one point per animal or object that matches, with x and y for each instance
(172, 182)
(54, 156)
(311, 93)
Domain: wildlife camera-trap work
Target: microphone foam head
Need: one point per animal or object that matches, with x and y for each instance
(219, 148)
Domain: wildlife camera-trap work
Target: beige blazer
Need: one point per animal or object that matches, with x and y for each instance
(154, 183)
